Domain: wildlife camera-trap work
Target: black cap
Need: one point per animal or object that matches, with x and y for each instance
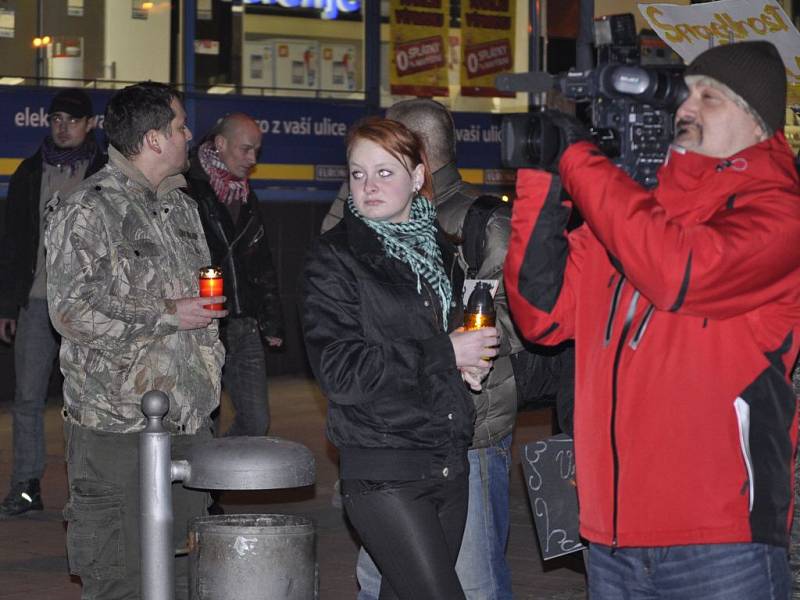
(75, 103)
(754, 71)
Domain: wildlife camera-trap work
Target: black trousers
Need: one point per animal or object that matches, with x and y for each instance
(413, 531)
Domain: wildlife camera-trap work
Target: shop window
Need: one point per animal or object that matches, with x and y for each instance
(91, 43)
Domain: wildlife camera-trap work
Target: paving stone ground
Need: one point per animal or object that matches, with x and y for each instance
(32, 556)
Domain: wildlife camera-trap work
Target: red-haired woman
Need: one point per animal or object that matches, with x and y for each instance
(382, 307)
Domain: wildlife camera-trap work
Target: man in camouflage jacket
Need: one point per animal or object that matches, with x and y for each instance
(123, 254)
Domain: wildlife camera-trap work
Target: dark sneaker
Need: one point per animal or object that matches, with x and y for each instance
(24, 496)
(216, 508)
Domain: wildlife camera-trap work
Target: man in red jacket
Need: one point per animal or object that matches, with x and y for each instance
(684, 302)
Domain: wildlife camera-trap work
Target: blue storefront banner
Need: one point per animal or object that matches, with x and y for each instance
(303, 139)
(295, 131)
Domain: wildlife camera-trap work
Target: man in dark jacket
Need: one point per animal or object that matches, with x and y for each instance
(68, 155)
(684, 302)
(218, 181)
(482, 568)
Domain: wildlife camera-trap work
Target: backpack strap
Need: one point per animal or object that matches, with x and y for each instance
(473, 233)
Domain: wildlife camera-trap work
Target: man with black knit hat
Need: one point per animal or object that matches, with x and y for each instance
(67, 155)
(684, 302)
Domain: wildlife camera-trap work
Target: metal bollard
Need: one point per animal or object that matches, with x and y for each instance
(155, 502)
(246, 463)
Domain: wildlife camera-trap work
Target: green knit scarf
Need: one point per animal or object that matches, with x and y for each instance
(414, 243)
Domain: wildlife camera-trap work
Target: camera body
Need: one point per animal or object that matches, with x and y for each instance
(632, 113)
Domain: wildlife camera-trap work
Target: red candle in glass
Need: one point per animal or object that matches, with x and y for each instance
(211, 285)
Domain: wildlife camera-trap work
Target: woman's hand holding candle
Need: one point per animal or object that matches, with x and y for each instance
(474, 348)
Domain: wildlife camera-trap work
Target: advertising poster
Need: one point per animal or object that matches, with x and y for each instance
(419, 47)
(487, 45)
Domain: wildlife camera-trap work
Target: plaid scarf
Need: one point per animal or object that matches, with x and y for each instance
(413, 242)
(68, 157)
(228, 189)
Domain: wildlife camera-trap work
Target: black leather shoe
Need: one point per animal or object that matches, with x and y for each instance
(23, 497)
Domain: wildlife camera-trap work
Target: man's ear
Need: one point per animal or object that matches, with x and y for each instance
(91, 123)
(219, 142)
(151, 141)
(760, 134)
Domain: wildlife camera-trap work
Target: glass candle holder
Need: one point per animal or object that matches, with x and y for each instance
(480, 310)
(211, 285)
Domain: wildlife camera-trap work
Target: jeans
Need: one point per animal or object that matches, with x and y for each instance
(102, 512)
(35, 350)
(244, 376)
(368, 576)
(481, 567)
(794, 545)
(413, 529)
(703, 571)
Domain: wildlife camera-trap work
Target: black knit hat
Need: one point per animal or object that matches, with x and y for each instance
(753, 70)
(75, 103)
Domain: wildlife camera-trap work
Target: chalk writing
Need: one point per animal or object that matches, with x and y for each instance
(549, 467)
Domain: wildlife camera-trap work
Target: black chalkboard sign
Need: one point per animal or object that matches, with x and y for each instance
(549, 467)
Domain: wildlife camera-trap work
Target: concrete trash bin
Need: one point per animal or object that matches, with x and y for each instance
(252, 557)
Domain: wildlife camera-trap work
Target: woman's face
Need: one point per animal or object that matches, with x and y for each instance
(381, 185)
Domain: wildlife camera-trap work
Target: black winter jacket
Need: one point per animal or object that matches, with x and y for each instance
(21, 237)
(397, 407)
(242, 250)
(496, 404)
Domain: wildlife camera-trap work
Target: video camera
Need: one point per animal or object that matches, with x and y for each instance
(632, 106)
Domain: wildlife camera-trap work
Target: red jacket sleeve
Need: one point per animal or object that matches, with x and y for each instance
(734, 262)
(542, 266)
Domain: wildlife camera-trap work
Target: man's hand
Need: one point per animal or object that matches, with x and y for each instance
(192, 313)
(8, 328)
(274, 342)
(570, 130)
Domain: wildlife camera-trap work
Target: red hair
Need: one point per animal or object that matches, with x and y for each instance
(398, 140)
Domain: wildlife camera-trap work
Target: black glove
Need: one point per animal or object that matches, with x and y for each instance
(567, 130)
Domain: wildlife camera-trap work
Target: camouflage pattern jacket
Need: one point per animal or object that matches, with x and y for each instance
(118, 254)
